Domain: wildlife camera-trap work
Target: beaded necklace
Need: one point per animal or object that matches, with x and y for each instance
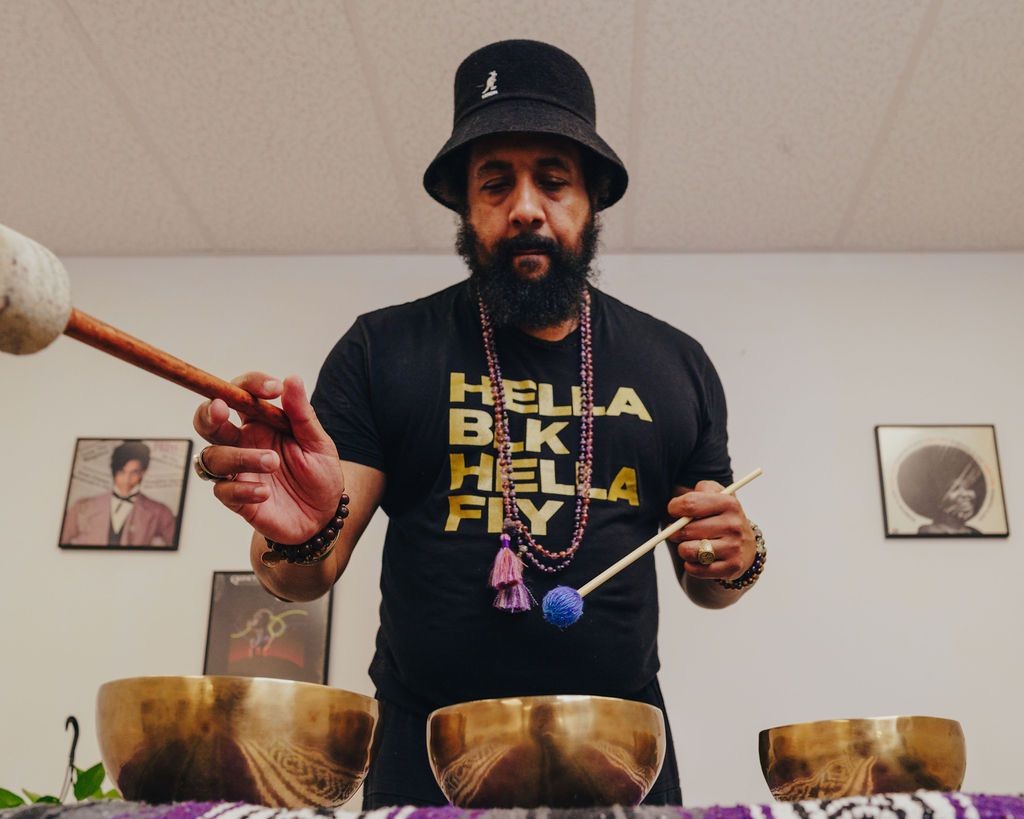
(507, 573)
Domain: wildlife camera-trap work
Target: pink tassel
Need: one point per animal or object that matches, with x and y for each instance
(508, 568)
(514, 598)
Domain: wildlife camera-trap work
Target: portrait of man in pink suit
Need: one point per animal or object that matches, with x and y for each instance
(124, 516)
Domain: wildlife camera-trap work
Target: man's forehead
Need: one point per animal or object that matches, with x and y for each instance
(523, 147)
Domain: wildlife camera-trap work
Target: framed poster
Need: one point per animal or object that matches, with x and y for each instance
(941, 481)
(251, 633)
(126, 493)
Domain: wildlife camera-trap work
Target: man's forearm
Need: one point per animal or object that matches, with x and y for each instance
(294, 583)
(365, 485)
(705, 592)
(709, 594)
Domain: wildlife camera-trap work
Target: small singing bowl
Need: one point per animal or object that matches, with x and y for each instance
(556, 751)
(858, 757)
(266, 742)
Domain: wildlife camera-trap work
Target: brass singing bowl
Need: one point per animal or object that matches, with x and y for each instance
(859, 757)
(267, 742)
(558, 751)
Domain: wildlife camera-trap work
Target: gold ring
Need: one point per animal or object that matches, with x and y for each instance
(203, 472)
(706, 553)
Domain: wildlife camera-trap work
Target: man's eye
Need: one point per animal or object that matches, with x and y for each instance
(554, 183)
(493, 185)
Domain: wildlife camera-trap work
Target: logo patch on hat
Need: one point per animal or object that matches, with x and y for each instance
(491, 86)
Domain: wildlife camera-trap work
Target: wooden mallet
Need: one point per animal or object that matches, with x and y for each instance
(35, 308)
(563, 605)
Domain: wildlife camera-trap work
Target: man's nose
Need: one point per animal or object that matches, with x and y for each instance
(527, 211)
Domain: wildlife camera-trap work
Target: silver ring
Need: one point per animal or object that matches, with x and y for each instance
(200, 466)
(706, 553)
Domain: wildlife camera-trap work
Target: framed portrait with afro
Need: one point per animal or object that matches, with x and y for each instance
(126, 493)
(941, 481)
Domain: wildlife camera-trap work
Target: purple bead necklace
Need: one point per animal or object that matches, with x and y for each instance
(507, 574)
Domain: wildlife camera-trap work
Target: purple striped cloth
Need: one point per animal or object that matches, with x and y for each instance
(918, 805)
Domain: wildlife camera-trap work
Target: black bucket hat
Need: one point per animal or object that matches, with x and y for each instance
(522, 87)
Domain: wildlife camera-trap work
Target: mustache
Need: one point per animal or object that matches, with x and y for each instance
(505, 249)
(513, 300)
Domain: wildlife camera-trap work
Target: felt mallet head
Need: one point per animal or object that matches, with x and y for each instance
(35, 294)
(562, 606)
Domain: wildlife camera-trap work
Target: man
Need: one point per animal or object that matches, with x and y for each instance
(521, 430)
(124, 516)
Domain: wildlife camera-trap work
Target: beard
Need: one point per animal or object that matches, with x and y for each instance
(530, 304)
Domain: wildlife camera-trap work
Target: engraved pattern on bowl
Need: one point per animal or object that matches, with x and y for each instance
(269, 742)
(555, 751)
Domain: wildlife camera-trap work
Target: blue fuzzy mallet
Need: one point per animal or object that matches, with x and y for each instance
(563, 605)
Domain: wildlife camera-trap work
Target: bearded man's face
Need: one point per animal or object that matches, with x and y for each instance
(529, 233)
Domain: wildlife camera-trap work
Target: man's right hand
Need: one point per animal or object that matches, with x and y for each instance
(286, 486)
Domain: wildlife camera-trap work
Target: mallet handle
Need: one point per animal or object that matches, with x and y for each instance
(664, 534)
(118, 343)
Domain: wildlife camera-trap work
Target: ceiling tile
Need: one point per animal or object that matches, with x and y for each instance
(416, 47)
(263, 113)
(951, 175)
(75, 175)
(756, 119)
(303, 126)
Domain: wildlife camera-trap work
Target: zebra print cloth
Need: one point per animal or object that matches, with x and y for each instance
(919, 805)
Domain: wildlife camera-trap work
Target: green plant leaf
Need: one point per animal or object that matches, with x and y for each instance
(10, 800)
(111, 794)
(35, 798)
(88, 783)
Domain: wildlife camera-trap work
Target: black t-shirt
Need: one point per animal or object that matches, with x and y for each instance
(406, 391)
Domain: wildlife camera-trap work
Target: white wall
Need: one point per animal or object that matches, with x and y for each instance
(814, 350)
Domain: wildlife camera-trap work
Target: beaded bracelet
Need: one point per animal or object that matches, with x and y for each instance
(315, 549)
(750, 576)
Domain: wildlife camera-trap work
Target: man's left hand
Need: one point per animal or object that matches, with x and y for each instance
(720, 520)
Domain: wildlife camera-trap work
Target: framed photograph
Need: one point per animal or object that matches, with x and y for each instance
(126, 493)
(941, 481)
(253, 634)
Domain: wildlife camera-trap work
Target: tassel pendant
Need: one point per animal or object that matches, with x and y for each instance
(508, 568)
(514, 599)
(507, 578)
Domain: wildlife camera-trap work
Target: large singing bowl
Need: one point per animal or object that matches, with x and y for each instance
(859, 757)
(558, 751)
(266, 742)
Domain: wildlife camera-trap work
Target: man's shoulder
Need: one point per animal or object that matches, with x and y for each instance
(426, 308)
(639, 325)
(93, 502)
